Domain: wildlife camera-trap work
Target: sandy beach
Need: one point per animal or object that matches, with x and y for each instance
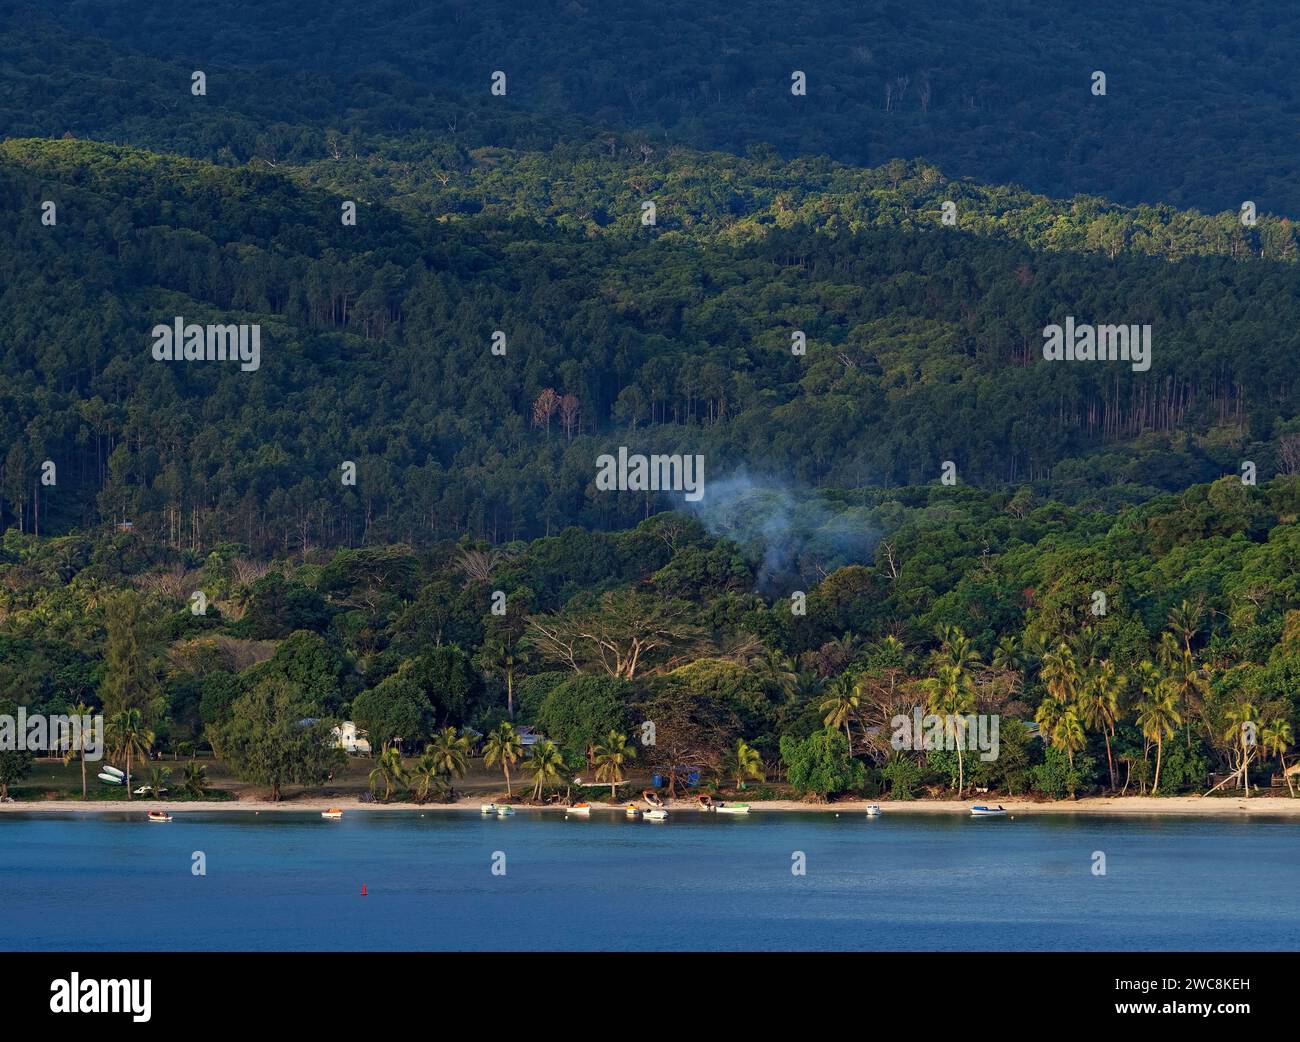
(1172, 806)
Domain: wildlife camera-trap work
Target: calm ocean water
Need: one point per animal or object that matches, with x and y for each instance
(287, 882)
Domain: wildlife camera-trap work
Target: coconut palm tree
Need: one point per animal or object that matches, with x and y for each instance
(951, 696)
(503, 747)
(129, 737)
(775, 670)
(158, 779)
(1185, 621)
(807, 686)
(743, 762)
(451, 753)
(80, 738)
(1060, 674)
(1008, 655)
(1099, 705)
(1190, 682)
(1086, 645)
(505, 658)
(610, 756)
(194, 782)
(955, 649)
(428, 776)
(1242, 726)
(1049, 711)
(546, 764)
(388, 769)
(842, 705)
(1276, 737)
(1157, 715)
(1067, 732)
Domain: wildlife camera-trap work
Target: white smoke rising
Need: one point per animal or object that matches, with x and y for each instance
(796, 534)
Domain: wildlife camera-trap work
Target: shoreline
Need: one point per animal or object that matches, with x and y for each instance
(1164, 806)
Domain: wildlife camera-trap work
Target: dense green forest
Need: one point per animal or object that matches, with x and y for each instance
(1202, 98)
(377, 350)
(416, 444)
(971, 602)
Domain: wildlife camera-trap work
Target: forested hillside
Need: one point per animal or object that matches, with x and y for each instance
(1201, 98)
(377, 351)
(836, 301)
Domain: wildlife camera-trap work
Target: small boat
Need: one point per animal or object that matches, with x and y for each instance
(632, 810)
(655, 815)
(109, 769)
(159, 815)
(504, 811)
(706, 802)
(873, 810)
(987, 812)
(583, 810)
(651, 798)
(732, 808)
(333, 814)
(487, 808)
(110, 779)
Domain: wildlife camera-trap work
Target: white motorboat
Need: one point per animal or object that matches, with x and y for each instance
(504, 811)
(873, 810)
(655, 815)
(987, 812)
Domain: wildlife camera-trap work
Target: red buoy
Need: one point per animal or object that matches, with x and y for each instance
(363, 889)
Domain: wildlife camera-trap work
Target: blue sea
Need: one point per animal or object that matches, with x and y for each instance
(289, 881)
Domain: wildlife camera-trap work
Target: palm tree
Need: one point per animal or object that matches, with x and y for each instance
(744, 762)
(428, 776)
(127, 737)
(547, 765)
(955, 649)
(807, 686)
(1185, 621)
(777, 671)
(610, 755)
(1085, 644)
(1049, 712)
(950, 695)
(1157, 714)
(195, 780)
(388, 769)
(1099, 705)
(1242, 719)
(504, 658)
(1007, 655)
(77, 749)
(503, 747)
(1060, 674)
(450, 753)
(1190, 682)
(1068, 733)
(158, 779)
(1276, 737)
(842, 705)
